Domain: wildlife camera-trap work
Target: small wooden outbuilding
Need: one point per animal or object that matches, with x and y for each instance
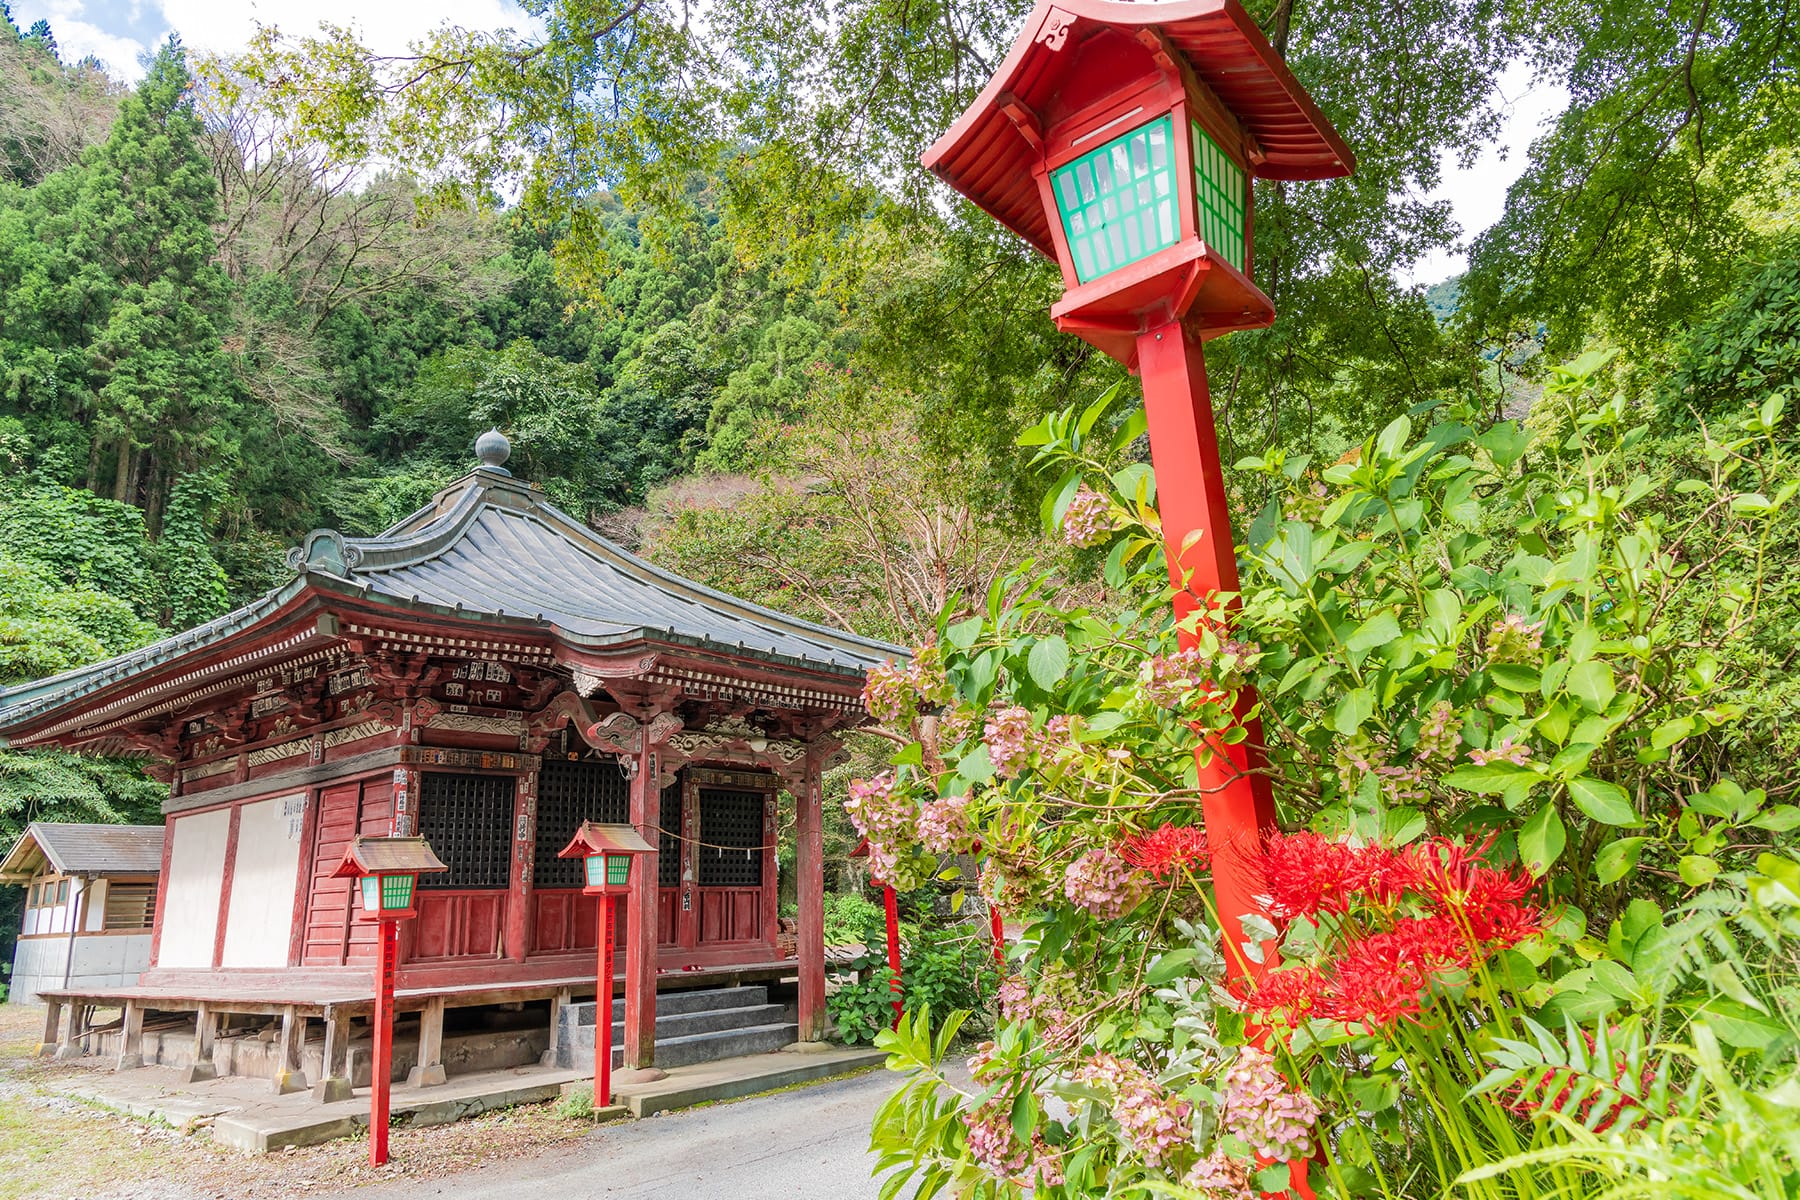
(90, 894)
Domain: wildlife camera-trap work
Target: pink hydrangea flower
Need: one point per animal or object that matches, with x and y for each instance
(883, 816)
(1514, 639)
(1505, 750)
(1010, 739)
(991, 1142)
(1154, 1121)
(1088, 519)
(944, 825)
(1276, 1121)
(1219, 1177)
(888, 691)
(1103, 883)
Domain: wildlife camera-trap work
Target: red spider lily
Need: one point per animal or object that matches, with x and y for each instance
(1288, 996)
(1165, 849)
(1453, 874)
(1380, 979)
(1305, 874)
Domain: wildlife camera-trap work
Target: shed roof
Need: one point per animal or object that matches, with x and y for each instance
(986, 157)
(491, 548)
(73, 849)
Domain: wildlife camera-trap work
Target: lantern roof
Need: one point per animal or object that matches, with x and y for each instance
(989, 153)
(595, 837)
(388, 856)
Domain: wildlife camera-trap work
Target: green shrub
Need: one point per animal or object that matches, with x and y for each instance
(847, 917)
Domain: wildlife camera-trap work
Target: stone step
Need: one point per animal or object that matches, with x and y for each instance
(713, 1021)
(726, 1043)
(675, 1003)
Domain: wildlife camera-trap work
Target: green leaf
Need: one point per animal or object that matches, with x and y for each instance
(975, 766)
(1352, 710)
(1489, 780)
(1169, 967)
(1672, 731)
(1697, 870)
(1605, 802)
(1273, 1181)
(1618, 858)
(1779, 819)
(1514, 677)
(1378, 630)
(1048, 662)
(1542, 839)
(1592, 683)
(962, 635)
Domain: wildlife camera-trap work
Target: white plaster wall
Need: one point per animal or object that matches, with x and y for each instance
(105, 960)
(259, 923)
(93, 909)
(190, 918)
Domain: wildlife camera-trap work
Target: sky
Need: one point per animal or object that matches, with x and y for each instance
(118, 32)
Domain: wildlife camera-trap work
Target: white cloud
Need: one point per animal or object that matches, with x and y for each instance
(1478, 195)
(77, 38)
(387, 28)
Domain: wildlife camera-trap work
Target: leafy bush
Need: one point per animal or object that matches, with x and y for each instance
(941, 969)
(848, 917)
(1505, 676)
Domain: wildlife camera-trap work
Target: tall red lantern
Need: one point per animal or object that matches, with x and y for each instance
(1121, 140)
(386, 870)
(609, 853)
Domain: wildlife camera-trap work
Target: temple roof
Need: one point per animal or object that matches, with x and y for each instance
(492, 549)
(84, 850)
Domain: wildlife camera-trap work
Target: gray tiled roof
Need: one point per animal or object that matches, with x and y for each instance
(497, 546)
(89, 849)
(490, 546)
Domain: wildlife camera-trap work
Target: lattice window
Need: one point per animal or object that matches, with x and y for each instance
(1220, 187)
(668, 840)
(568, 794)
(1118, 202)
(731, 837)
(468, 821)
(130, 905)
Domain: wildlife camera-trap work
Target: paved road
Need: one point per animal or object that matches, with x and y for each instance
(810, 1142)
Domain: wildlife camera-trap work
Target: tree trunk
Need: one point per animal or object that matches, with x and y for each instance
(122, 470)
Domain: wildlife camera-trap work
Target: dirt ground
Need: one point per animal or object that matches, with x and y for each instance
(52, 1146)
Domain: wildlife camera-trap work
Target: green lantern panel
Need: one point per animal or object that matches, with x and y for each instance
(396, 892)
(1118, 202)
(618, 869)
(1221, 194)
(371, 892)
(596, 870)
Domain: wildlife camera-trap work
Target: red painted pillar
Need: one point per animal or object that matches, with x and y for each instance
(603, 1006)
(893, 939)
(999, 930)
(381, 1069)
(1238, 808)
(809, 872)
(640, 920)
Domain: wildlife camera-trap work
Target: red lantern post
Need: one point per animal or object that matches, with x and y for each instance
(1121, 140)
(387, 871)
(609, 852)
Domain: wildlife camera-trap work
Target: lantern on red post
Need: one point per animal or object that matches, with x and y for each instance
(608, 852)
(386, 870)
(1121, 140)
(891, 910)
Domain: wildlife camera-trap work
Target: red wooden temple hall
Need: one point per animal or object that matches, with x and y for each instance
(489, 673)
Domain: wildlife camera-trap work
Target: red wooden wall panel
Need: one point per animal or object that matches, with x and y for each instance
(333, 935)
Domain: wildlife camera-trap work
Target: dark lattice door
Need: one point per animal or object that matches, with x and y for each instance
(467, 819)
(568, 794)
(731, 838)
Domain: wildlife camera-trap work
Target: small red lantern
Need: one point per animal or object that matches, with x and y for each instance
(386, 870)
(608, 852)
